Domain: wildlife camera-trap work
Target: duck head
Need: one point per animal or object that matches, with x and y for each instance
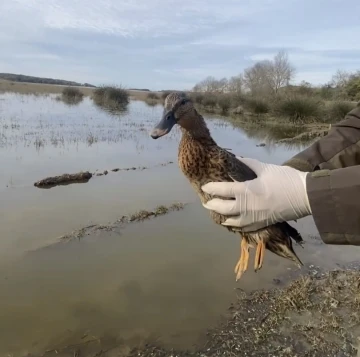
(177, 110)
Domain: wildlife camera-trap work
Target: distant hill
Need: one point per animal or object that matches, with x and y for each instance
(30, 79)
(140, 89)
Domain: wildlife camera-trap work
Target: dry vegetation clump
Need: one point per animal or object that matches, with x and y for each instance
(71, 95)
(257, 105)
(224, 103)
(336, 111)
(299, 109)
(111, 97)
(153, 96)
(209, 102)
(197, 97)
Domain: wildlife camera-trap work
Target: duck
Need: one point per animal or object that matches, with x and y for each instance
(202, 161)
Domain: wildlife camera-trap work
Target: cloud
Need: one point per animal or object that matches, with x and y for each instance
(130, 18)
(172, 44)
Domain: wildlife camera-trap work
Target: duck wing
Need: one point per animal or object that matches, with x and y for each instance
(236, 170)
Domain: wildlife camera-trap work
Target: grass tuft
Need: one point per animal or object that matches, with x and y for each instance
(299, 109)
(337, 111)
(113, 97)
(71, 95)
(257, 106)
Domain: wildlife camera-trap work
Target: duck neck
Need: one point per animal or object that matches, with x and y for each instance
(196, 129)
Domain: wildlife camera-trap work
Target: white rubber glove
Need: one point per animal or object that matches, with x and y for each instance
(277, 194)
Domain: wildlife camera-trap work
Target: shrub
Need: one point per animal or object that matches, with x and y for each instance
(298, 109)
(152, 96)
(197, 97)
(224, 102)
(257, 106)
(337, 110)
(72, 93)
(112, 97)
(209, 101)
(353, 89)
(237, 100)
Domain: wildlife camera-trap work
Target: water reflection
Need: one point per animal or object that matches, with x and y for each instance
(69, 100)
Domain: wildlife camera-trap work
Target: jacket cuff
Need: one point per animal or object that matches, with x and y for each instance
(327, 212)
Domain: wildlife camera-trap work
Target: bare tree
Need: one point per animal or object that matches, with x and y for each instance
(263, 78)
(269, 76)
(340, 79)
(255, 78)
(211, 84)
(280, 72)
(236, 84)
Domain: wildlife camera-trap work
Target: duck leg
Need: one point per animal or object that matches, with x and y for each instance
(242, 264)
(259, 255)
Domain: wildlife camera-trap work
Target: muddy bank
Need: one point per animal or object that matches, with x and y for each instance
(316, 315)
(84, 177)
(307, 136)
(65, 179)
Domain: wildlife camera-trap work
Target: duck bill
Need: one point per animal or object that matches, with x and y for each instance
(164, 126)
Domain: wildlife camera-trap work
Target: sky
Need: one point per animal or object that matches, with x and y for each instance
(167, 44)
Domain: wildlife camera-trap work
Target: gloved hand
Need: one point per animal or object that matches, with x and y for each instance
(277, 194)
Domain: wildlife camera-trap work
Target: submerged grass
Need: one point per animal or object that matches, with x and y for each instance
(158, 211)
(139, 216)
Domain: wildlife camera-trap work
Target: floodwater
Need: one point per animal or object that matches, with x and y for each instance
(169, 278)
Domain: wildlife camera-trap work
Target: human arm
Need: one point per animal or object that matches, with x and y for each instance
(333, 196)
(340, 148)
(281, 193)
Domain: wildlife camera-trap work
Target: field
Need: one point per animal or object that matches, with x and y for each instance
(128, 263)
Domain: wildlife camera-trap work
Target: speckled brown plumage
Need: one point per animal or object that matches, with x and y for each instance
(202, 161)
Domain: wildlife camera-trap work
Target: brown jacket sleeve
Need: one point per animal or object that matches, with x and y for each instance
(334, 182)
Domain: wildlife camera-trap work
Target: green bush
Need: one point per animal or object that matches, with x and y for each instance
(298, 109)
(337, 111)
(112, 97)
(257, 106)
(153, 96)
